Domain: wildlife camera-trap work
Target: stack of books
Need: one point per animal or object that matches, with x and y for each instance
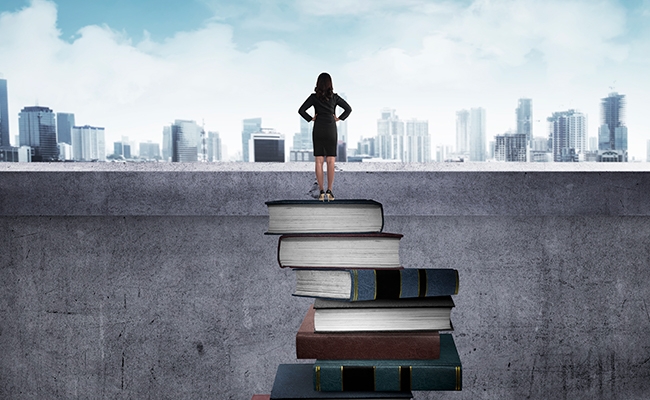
(374, 327)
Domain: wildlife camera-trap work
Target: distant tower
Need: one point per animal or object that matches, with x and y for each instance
(266, 146)
(37, 129)
(612, 133)
(568, 135)
(477, 134)
(524, 114)
(251, 125)
(390, 136)
(64, 124)
(462, 132)
(4, 115)
(186, 141)
(88, 143)
(215, 152)
(418, 142)
(342, 126)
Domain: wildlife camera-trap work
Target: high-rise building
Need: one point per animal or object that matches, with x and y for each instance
(215, 152)
(37, 129)
(266, 146)
(186, 141)
(568, 135)
(88, 143)
(477, 134)
(390, 136)
(302, 140)
(418, 141)
(167, 143)
(612, 133)
(65, 151)
(149, 150)
(510, 147)
(647, 153)
(251, 125)
(4, 114)
(524, 113)
(366, 147)
(64, 124)
(342, 126)
(462, 132)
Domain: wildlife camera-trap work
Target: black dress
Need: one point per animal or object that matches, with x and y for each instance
(324, 134)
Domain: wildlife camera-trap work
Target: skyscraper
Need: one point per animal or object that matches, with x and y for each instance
(390, 136)
(342, 126)
(462, 132)
(266, 146)
(418, 141)
(37, 129)
(4, 114)
(524, 113)
(510, 147)
(167, 143)
(149, 150)
(477, 134)
(64, 124)
(88, 143)
(214, 147)
(302, 140)
(612, 133)
(568, 135)
(186, 141)
(251, 125)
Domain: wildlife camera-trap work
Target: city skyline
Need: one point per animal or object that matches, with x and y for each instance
(236, 61)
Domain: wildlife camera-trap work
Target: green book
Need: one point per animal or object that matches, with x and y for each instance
(444, 373)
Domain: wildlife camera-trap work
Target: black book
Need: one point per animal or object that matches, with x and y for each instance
(296, 381)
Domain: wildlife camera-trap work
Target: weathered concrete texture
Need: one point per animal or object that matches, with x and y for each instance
(160, 303)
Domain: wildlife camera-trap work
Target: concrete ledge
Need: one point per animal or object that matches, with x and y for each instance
(230, 189)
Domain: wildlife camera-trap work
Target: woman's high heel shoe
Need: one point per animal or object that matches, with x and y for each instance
(321, 196)
(329, 195)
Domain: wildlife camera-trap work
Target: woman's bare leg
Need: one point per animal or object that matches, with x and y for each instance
(330, 172)
(319, 170)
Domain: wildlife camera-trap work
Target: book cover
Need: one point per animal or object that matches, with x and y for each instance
(312, 216)
(420, 345)
(360, 250)
(295, 381)
(444, 373)
(373, 284)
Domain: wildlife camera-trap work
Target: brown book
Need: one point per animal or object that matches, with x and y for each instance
(261, 397)
(402, 345)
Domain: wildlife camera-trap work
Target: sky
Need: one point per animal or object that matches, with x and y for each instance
(133, 66)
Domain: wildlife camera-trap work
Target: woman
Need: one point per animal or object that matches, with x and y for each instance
(324, 135)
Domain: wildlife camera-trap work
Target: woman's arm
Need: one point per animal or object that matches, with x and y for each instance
(303, 108)
(345, 106)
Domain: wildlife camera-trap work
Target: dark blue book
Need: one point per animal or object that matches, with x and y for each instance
(295, 381)
(443, 373)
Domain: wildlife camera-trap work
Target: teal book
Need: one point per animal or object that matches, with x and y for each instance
(374, 284)
(444, 373)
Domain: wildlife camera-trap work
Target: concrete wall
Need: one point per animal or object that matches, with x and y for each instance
(157, 282)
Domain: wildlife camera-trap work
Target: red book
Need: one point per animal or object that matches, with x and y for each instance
(261, 397)
(402, 345)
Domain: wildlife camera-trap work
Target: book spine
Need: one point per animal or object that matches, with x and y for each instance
(379, 346)
(337, 378)
(400, 284)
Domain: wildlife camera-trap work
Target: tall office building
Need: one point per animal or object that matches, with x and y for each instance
(367, 147)
(612, 133)
(37, 129)
(524, 113)
(266, 146)
(4, 115)
(390, 136)
(214, 147)
(510, 147)
(417, 141)
(462, 132)
(64, 124)
(186, 141)
(647, 153)
(251, 125)
(568, 135)
(477, 134)
(149, 150)
(303, 140)
(88, 143)
(167, 143)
